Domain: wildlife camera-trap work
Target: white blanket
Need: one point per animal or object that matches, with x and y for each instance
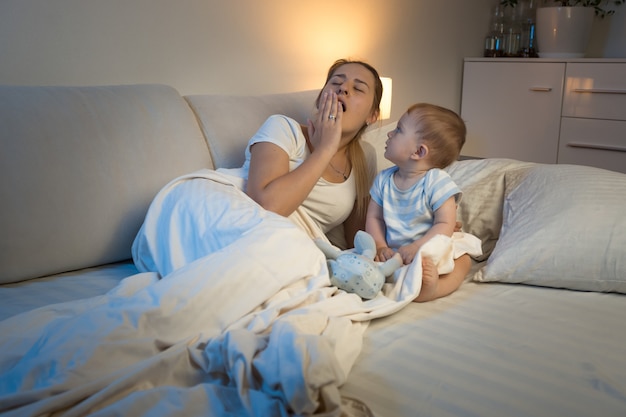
(252, 327)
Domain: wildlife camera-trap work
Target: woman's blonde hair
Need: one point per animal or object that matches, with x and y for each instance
(443, 131)
(364, 176)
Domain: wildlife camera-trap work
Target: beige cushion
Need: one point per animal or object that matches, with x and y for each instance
(228, 122)
(563, 227)
(483, 184)
(79, 167)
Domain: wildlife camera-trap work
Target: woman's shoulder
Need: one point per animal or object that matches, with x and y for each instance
(280, 120)
(279, 125)
(280, 129)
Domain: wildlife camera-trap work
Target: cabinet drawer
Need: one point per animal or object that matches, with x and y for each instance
(512, 109)
(599, 143)
(595, 90)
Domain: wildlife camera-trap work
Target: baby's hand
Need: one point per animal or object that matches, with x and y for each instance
(408, 252)
(383, 254)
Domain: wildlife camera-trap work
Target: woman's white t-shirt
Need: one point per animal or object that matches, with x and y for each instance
(328, 204)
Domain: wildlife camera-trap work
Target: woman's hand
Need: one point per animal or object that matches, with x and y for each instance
(325, 129)
(269, 176)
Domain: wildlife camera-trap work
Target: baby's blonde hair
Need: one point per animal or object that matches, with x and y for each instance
(441, 129)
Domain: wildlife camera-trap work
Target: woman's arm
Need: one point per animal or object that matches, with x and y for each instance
(272, 185)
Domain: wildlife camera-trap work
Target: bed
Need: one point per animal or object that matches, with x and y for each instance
(537, 329)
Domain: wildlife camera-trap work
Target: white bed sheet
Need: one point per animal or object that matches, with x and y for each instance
(487, 350)
(252, 327)
(497, 350)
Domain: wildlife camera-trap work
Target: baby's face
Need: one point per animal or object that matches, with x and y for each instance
(403, 141)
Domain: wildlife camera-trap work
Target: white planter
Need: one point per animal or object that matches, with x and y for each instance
(563, 32)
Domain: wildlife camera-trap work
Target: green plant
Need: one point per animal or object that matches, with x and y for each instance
(602, 7)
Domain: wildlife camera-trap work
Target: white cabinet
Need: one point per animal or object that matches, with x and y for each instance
(593, 126)
(512, 109)
(548, 111)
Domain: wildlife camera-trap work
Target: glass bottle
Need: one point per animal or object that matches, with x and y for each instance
(494, 40)
(525, 11)
(512, 32)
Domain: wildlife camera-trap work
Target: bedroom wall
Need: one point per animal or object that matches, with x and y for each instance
(608, 36)
(241, 46)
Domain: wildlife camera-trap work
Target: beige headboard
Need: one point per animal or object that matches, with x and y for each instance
(228, 122)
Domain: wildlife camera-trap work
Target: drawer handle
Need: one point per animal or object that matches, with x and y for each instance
(595, 146)
(541, 89)
(598, 91)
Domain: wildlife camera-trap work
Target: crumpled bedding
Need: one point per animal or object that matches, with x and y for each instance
(251, 328)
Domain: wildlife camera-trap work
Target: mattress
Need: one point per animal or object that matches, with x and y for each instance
(489, 349)
(494, 349)
(29, 295)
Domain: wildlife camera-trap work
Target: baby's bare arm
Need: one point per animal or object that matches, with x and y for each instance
(375, 226)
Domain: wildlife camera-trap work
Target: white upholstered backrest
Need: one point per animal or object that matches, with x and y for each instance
(228, 122)
(79, 167)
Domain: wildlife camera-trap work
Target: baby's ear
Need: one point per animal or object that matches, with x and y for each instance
(421, 152)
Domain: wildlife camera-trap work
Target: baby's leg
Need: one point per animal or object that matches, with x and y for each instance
(429, 271)
(435, 286)
(430, 278)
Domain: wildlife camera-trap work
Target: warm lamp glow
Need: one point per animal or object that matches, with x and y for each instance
(385, 102)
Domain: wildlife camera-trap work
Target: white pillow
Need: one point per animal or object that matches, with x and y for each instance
(564, 226)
